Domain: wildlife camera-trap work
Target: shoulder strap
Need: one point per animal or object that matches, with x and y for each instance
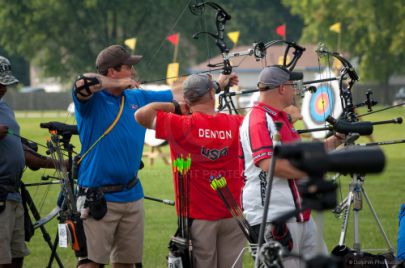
(108, 130)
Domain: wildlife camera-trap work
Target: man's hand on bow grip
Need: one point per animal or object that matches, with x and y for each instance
(229, 80)
(125, 83)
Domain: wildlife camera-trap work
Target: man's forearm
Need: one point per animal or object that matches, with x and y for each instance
(283, 168)
(36, 161)
(147, 114)
(89, 83)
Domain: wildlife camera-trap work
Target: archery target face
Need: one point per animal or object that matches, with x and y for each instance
(316, 107)
(321, 104)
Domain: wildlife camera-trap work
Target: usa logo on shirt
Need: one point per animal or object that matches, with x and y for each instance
(214, 154)
(134, 106)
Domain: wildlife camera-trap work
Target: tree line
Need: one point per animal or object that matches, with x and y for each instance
(64, 37)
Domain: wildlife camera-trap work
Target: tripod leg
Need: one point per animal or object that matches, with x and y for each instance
(47, 238)
(54, 253)
(345, 219)
(357, 206)
(36, 215)
(387, 241)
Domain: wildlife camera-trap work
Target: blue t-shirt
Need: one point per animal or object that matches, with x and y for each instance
(401, 234)
(116, 158)
(12, 161)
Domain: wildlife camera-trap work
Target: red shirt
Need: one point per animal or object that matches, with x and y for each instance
(212, 142)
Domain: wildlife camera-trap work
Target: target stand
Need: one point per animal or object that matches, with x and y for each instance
(155, 148)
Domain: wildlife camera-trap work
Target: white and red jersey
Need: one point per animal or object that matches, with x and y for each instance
(212, 141)
(256, 134)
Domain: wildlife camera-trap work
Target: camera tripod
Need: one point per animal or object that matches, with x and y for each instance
(355, 197)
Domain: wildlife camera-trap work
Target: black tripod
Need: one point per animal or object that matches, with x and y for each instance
(40, 222)
(354, 201)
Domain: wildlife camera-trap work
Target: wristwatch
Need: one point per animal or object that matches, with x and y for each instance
(216, 86)
(289, 118)
(177, 109)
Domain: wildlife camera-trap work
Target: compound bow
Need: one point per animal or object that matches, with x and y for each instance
(258, 50)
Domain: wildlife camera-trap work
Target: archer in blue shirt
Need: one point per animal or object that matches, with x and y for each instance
(112, 143)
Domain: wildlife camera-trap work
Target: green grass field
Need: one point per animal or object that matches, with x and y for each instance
(385, 190)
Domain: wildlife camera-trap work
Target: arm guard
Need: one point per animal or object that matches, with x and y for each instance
(84, 90)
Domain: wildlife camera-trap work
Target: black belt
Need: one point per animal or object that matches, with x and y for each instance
(10, 188)
(112, 188)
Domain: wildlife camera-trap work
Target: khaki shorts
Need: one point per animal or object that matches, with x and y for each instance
(217, 243)
(12, 243)
(118, 237)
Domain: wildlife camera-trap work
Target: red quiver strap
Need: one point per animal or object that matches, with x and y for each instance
(281, 234)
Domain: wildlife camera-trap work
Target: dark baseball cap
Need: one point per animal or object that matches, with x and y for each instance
(196, 86)
(274, 76)
(113, 56)
(6, 76)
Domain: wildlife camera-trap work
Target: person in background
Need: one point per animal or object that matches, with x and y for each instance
(14, 155)
(401, 234)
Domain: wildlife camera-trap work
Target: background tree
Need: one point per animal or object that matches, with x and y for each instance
(372, 30)
(64, 37)
(257, 20)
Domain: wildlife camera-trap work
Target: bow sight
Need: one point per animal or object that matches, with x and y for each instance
(259, 51)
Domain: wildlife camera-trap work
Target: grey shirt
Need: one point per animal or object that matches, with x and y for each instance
(12, 161)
